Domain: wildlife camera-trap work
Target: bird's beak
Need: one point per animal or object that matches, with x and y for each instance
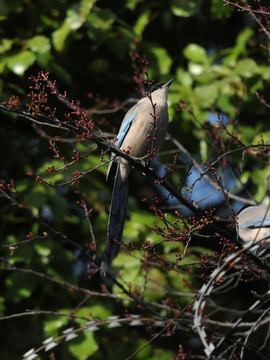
(168, 83)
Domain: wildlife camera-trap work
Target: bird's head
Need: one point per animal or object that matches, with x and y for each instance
(158, 86)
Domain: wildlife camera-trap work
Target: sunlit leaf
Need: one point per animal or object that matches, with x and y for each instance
(259, 178)
(42, 250)
(263, 137)
(97, 311)
(101, 19)
(184, 8)
(82, 349)
(240, 46)
(52, 327)
(59, 36)
(6, 45)
(20, 62)
(205, 95)
(246, 68)
(75, 18)
(141, 23)
(40, 44)
(195, 53)
(163, 59)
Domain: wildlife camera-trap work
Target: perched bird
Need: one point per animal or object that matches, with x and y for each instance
(141, 135)
(253, 223)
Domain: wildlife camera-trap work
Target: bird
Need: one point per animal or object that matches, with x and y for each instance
(141, 136)
(253, 224)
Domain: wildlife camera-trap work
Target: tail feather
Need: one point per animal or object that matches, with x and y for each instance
(116, 220)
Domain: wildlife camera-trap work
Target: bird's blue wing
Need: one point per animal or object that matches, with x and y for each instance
(257, 222)
(125, 128)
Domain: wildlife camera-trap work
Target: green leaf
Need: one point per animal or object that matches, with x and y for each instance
(5, 45)
(183, 77)
(195, 69)
(97, 311)
(74, 19)
(227, 105)
(3, 63)
(156, 283)
(262, 138)
(265, 72)
(163, 59)
(135, 227)
(131, 4)
(146, 350)
(101, 19)
(40, 44)
(243, 38)
(86, 7)
(203, 150)
(141, 23)
(195, 53)
(219, 11)
(42, 250)
(248, 132)
(240, 46)
(82, 349)
(51, 327)
(20, 62)
(221, 70)
(59, 36)
(205, 95)
(246, 68)
(129, 268)
(185, 8)
(76, 16)
(56, 176)
(259, 177)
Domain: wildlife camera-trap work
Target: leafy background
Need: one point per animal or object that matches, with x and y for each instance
(213, 53)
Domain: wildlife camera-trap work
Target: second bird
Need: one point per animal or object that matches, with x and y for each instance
(141, 135)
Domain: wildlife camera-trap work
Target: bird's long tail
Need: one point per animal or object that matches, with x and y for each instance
(116, 220)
